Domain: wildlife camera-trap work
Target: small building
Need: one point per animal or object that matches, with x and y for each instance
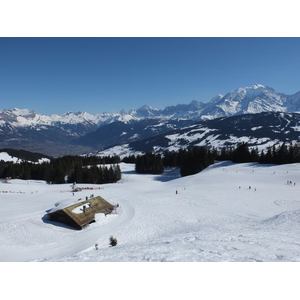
(82, 213)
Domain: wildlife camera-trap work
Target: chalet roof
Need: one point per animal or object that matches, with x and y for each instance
(76, 214)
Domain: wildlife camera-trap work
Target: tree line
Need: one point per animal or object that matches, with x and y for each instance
(190, 161)
(194, 160)
(149, 163)
(94, 169)
(280, 154)
(69, 168)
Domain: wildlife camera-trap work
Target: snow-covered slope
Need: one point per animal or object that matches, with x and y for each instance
(6, 157)
(118, 132)
(10, 158)
(261, 130)
(228, 212)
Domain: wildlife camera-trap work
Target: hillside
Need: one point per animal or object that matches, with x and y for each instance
(22, 155)
(261, 130)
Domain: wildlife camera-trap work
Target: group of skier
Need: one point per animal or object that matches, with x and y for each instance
(289, 182)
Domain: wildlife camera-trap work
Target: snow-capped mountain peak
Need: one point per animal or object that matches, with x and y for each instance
(254, 99)
(256, 86)
(147, 111)
(17, 124)
(26, 113)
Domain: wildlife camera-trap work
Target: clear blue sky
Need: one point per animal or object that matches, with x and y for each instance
(56, 75)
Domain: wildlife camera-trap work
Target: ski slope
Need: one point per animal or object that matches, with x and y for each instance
(213, 216)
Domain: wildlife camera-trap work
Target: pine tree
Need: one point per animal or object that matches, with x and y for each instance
(241, 153)
(149, 163)
(113, 241)
(254, 157)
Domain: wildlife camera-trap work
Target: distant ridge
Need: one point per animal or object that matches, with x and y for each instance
(75, 133)
(261, 131)
(254, 99)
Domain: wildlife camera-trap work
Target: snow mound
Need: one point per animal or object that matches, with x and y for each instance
(286, 218)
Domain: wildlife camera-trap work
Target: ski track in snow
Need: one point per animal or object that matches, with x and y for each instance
(228, 212)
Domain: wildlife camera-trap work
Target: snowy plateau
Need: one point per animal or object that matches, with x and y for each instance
(227, 213)
(237, 213)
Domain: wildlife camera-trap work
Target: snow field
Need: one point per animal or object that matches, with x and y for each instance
(214, 216)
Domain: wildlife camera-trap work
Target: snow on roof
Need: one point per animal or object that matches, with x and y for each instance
(64, 204)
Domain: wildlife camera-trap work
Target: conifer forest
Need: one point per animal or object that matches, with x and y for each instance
(99, 170)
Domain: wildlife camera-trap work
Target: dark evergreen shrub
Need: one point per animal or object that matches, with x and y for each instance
(113, 241)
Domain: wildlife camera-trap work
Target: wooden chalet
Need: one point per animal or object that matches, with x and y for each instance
(81, 214)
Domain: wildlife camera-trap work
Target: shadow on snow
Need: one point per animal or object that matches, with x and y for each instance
(46, 220)
(169, 175)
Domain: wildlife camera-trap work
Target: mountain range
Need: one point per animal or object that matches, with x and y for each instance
(82, 132)
(261, 130)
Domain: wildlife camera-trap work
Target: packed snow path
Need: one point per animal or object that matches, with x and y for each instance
(228, 212)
